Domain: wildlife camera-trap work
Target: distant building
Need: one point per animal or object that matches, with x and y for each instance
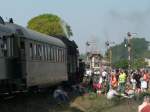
(93, 57)
(93, 61)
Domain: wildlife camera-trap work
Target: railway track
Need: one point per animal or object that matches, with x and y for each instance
(29, 101)
(26, 101)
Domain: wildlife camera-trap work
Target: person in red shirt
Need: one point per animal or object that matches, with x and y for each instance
(113, 80)
(145, 106)
(146, 109)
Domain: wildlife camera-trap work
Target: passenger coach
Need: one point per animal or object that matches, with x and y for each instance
(29, 58)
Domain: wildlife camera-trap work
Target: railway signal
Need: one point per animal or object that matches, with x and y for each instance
(107, 43)
(128, 44)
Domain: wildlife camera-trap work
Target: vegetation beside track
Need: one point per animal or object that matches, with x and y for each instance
(44, 102)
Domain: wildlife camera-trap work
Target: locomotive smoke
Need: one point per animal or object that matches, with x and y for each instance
(118, 24)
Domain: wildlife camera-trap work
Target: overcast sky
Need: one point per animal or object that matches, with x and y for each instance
(99, 19)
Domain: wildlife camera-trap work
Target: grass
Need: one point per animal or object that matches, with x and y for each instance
(101, 104)
(93, 103)
(44, 102)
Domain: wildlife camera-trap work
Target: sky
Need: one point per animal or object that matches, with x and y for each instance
(98, 20)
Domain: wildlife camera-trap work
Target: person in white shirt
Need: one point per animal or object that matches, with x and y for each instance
(133, 81)
(104, 75)
(88, 72)
(111, 94)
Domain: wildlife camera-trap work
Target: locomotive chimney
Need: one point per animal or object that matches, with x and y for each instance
(11, 20)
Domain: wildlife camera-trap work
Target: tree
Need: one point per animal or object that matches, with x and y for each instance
(121, 64)
(138, 63)
(139, 51)
(139, 48)
(51, 25)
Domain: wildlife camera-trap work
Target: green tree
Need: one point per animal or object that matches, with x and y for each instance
(138, 63)
(139, 49)
(121, 64)
(51, 25)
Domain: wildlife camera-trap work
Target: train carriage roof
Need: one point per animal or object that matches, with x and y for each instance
(30, 34)
(4, 31)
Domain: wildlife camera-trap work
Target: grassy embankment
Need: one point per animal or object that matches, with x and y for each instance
(93, 103)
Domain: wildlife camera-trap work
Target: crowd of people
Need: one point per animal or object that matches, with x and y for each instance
(114, 83)
(122, 81)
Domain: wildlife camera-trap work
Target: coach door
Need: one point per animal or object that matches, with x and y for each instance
(22, 57)
(9, 55)
(13, 60)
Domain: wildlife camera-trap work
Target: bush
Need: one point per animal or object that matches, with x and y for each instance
(142, 95)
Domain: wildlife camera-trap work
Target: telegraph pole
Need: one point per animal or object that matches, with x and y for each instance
(110, 58)
(129, 49)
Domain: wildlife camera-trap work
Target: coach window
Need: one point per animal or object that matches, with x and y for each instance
(4, 46)
(58, 51)
(39, 54)
(31, 50)
(65, 55)
(42, 52)
(48, 50)
(54, 56)
(10, 47)
(60, 55)
(48, 57)
(52, 53)
(45, 52)
(57, 55)
(1, 47)
(34, 50)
